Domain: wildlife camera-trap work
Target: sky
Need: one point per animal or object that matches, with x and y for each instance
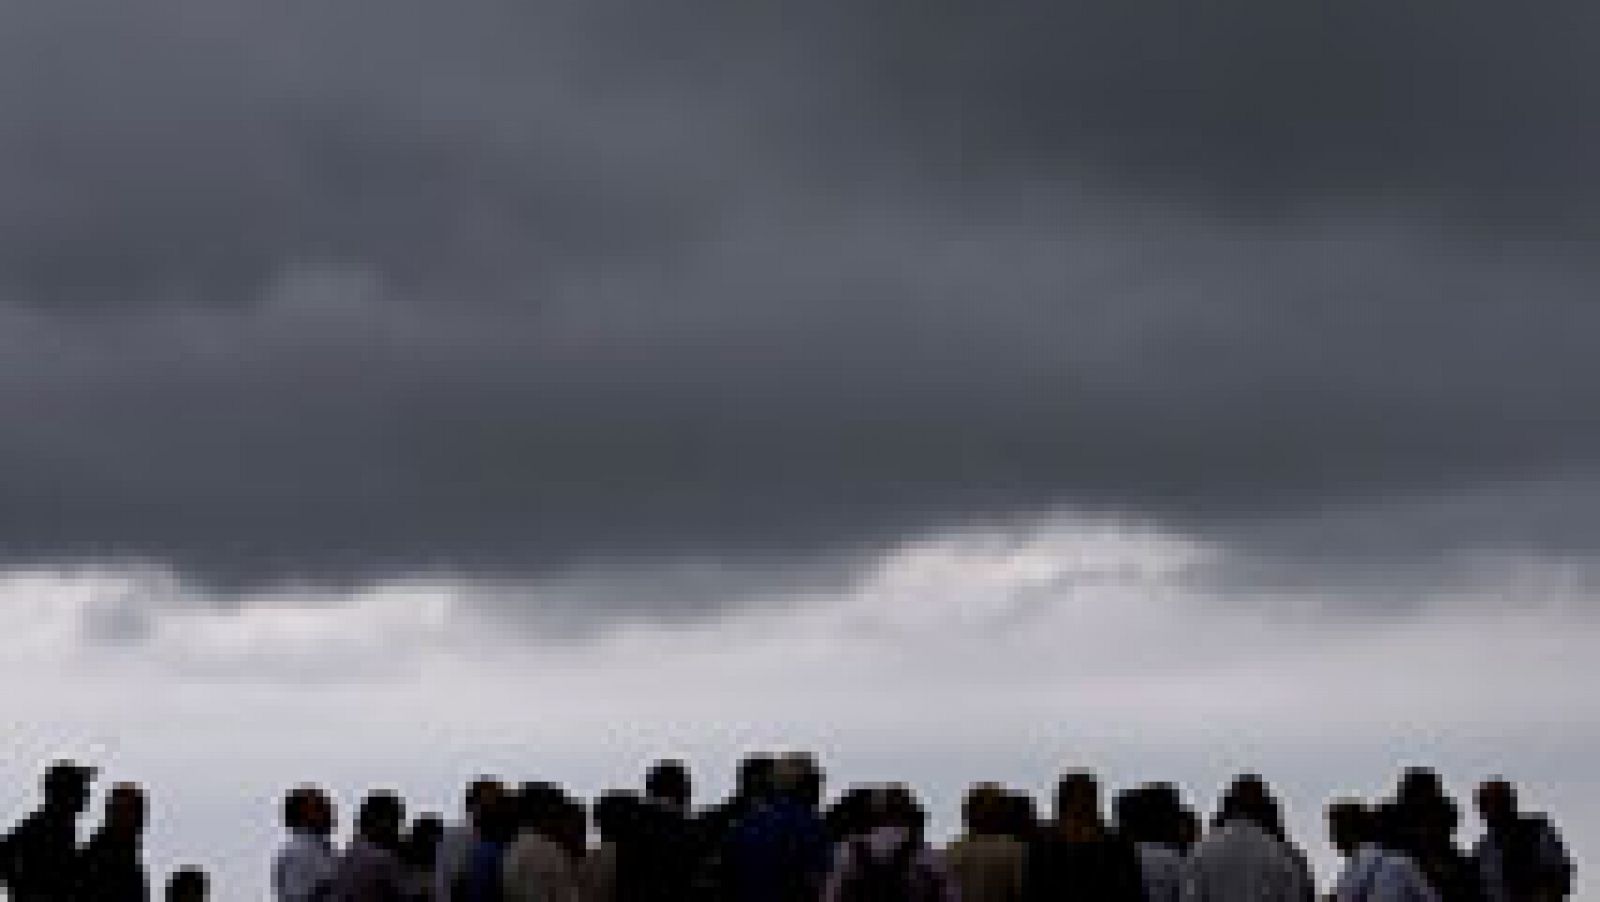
(398, 390)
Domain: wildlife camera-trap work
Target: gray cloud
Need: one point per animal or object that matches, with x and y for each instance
(295, 290)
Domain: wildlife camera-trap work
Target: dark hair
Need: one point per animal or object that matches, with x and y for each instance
(755, 775)
(1022, 816)
(615, 814)
(481, 789)
(668, 779)
(297, 805)
(1078, 792)
(421, 847)
(187, 884)
(1350, 819)
(1135, 813)
(987, 810)
(1248, 798)
(380, 811)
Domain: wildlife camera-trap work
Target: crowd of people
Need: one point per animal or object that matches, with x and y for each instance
(775, 840)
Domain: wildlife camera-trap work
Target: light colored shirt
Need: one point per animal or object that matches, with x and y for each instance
(303, 868)
(1161, 866)
(987, 868)
(538, 869)
(1240, 862)
(930, 879)
(1360, 870)
(1396, 878)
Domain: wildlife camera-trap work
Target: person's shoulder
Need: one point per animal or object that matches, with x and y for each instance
(24, 829)
(1540, 823)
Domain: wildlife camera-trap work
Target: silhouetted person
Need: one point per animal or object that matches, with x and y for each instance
(778, 852)
(459, 840)
(1149, 817)
(987, 861)
(849, 815)
(1521, 856)
(890, 862)
(370, 868)
(752, 784)
(660, 856)
(111, 868)
(304, 867)
(39, 858)
(541, 864)
(1246, 855)
(1078, 855)
(616, 816)
(1426, 823)
(419, 853)
(480, 878)
(1352, 831)
(188, 885)
(1022, 817)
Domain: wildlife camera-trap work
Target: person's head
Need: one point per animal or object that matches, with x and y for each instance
(125, 811)
(1497, 803)
(985, 811)
(1078, 797)
(1419, 785)
(422, 841)
(1022, 816)
(1432, 814)
(1132, 814)
(188, 885)
(1395, 828)
(482, 793)
(308, 810)
(1349, 825)
(1151, 813)
(797, 777)
(66, 786)
(615, 814)
(545, 808)
(380, 818)
(755, 776)
(1249, 799)
(895, 806)
(668, 781)
(849, 814)
(1167, 813)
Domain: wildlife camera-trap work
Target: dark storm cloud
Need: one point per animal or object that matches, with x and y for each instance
(349, 290)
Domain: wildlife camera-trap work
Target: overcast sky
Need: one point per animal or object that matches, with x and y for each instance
(394, 389)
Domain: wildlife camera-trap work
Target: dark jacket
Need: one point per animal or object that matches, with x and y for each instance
(39, 859)
(110, 871)
(1102, 870)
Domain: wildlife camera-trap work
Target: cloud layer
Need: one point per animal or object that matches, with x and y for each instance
(354, 291)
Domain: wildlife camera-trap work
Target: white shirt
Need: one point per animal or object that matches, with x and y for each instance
(1240, 862)
(927, 866)
(1376, 875)
(303, 868)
